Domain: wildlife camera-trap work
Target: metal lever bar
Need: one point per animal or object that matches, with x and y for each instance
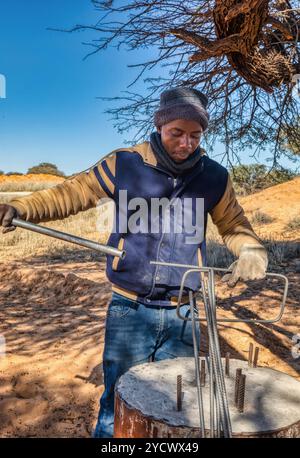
(69, 238)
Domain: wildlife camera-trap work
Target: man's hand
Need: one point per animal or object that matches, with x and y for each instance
(7, 213)
(251, 265)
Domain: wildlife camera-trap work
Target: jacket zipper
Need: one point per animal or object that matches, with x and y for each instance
(160, 241)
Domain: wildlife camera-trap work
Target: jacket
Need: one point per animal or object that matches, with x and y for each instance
(136, 173)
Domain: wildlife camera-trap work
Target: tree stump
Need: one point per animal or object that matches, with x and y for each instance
(146, 402)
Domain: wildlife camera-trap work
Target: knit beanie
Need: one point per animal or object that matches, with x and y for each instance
(182, 103)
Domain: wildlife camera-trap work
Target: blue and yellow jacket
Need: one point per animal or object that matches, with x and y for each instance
(136, 171)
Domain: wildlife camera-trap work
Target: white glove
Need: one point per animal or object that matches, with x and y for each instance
(251, 265)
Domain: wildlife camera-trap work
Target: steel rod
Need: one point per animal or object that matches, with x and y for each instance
(220, 422)
(241, 393)
(250, 355)
(227, 320)
(196, 352)
(202, 372)
(255, 360)
(69, 238)
(227, 364)
(179, 392)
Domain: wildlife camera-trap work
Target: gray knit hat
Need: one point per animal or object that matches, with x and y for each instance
(182, 103)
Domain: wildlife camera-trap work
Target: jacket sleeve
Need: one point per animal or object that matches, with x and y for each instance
(70, 197)
(232, 224)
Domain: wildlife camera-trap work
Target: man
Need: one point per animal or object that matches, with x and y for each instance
(141, 321)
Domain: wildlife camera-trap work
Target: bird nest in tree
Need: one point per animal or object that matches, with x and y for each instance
(272, 68)
(242, 23)
(258, 37)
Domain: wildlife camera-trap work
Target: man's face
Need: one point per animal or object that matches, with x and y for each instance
(180, 138)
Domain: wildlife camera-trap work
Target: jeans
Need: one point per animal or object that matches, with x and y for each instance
(135, 333)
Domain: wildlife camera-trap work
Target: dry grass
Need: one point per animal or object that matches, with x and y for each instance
(7, 197)
(281, 252)
(260, 218)
(293, 224)
(280, 202)
(26, 187)
(22, 243)
(28, 183)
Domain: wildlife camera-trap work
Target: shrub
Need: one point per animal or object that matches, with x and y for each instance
(251, 178)
(293, 224)
(46, 168)
(259, 217)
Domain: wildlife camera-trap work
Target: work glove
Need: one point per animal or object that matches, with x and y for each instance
(251, 265)
(7, 213)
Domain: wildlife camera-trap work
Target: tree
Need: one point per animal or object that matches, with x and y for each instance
(255, 177)
(13, 173)
(291, 144)
(47, 168)
(243, 54)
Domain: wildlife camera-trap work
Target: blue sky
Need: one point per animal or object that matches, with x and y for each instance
(51, 113)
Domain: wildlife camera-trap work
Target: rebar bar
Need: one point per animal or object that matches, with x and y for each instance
(220, 424)
(227, 362)
(179, 392)
(196, 359)
(241, 393)
(202, 373)
(255, 359)
(238, 374)
(216, 369)
(220, 269)
(250, 355)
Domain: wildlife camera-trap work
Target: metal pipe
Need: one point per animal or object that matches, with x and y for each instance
(196, 352)
(69, 238)
(227, 320)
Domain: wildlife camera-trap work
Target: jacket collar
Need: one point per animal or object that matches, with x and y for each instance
(145, 150)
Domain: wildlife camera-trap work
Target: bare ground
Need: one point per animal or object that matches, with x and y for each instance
(51, 376)
(52, 314)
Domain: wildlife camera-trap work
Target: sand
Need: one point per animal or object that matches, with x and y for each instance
(51, 376)
(52, 315)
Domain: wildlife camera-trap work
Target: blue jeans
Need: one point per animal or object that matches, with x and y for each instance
(134, 333)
